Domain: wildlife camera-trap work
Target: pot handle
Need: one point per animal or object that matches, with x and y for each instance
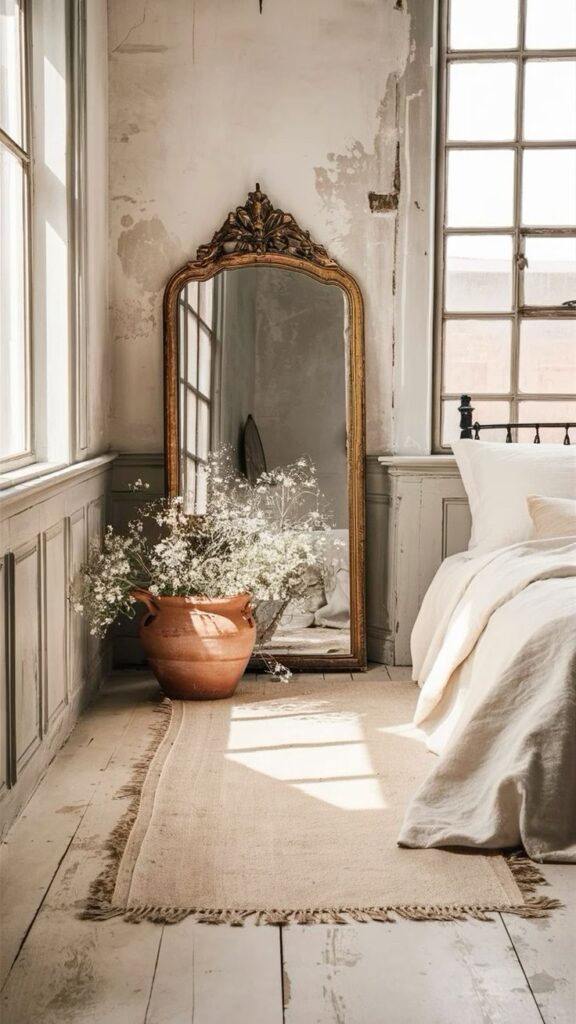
(246, 613)
(151, 603)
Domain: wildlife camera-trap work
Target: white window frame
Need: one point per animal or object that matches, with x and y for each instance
(46, 450)
(519, 311)
(18, 460)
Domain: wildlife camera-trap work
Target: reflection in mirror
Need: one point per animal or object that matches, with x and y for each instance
(267, 346)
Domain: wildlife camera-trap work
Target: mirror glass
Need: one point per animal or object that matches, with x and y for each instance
(263, 364)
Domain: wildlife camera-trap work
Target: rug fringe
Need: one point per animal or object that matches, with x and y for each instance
(537, 907)
(99, 906)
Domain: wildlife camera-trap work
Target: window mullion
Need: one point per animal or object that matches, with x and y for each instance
(518, 254)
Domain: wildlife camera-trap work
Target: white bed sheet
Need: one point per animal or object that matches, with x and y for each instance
(494, 651)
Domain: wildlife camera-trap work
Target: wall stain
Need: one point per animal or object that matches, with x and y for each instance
(350, 176)
(127, 221)
(147, 253)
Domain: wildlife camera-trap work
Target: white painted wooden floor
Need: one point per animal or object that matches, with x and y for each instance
(57, 969)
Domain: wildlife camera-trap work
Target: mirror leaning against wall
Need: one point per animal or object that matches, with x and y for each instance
(264, 387)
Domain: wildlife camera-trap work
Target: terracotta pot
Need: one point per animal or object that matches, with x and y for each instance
(198, 648)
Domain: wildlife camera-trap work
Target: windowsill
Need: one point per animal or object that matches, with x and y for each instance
(31, 472)
(419, 464)
(33, 483)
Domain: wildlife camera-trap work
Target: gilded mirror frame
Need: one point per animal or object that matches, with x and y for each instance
(257, 234)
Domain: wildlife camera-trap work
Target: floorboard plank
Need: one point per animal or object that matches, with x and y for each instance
(372, 673)
(211, 975)
(77, 971)
(547, 948)
(34, 847)
(399, 673)
(405, 973)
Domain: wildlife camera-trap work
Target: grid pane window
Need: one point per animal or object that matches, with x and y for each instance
(506, 267)
(15, 413)
(196, 317)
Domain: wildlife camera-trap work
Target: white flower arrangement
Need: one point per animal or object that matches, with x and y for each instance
(265, 538)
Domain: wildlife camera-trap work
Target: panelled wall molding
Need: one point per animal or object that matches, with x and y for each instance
(428, 519)
(129, 467)
(379, 633)
(51, 667)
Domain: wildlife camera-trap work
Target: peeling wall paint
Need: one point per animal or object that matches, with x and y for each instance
(310, 99)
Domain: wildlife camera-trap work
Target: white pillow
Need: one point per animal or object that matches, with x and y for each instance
(499, 477)
(552, 517)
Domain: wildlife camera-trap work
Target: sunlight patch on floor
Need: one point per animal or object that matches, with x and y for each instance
(322, 755)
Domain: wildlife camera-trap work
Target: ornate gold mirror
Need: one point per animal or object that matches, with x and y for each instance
(264, 352)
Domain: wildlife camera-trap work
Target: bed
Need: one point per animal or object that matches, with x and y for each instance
(494, 653)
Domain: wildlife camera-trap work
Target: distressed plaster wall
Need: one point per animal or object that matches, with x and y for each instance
(323, 102)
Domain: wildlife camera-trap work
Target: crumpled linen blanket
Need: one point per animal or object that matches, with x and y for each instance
(494, 651)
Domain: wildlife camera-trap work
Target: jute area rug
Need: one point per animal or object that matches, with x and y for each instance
(285, 802)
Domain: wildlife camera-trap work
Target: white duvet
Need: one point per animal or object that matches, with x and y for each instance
(494, 651)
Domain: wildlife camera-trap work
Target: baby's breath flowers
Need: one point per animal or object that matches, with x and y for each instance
(266, 538)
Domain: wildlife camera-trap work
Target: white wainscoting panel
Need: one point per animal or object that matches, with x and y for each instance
(379, 563)
(46, 673)
(27, 683)
(77, 625)
(129, 467)
(56, 621)
(429, 520)
(4, 658)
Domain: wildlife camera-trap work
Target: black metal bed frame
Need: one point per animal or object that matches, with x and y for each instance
(471, 429)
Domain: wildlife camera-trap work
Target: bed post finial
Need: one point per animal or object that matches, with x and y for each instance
(465, 410)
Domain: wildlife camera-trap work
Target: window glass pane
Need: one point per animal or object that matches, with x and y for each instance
(205, 362)
(489, 25)
(550, 277)
(480, 188)
(478, 273)
(481, 100)
(13, 340)
(547, 412)
(192, 340)
(192, 295)
(550, 99)
(201, 490)
(203, 446)
(11, 70)
(484, 412)
(477, 356)
(189, 484)
(191, 423)
(181, 339)
(548, 356)
(549, 187)
(206, 290)
(551, 24)
(182, 391)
